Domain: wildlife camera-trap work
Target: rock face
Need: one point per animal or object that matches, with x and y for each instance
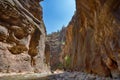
(22, 36)
(56, 42)
(93, 38)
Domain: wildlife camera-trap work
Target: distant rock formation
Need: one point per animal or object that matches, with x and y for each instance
(22, 36)
(93, 38)
(56, 42)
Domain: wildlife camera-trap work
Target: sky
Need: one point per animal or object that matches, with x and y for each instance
(57, 13)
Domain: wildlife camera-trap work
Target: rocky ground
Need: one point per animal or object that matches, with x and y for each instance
(79, 76)
(56, 76)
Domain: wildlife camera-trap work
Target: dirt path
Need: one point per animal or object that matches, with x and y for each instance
(34, 76)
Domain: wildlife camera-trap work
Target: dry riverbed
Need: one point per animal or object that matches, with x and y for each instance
(54, 76)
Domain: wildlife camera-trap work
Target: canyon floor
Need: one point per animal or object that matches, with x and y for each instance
(54, 76)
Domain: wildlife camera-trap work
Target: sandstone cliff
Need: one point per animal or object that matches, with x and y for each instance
(92, 38)
(22, 36)
(56, 42)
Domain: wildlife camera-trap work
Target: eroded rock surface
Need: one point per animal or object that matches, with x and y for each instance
(22, 36)
(56, 42)
(93, 39)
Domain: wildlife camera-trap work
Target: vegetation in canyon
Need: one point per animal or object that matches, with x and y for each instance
(88, 48)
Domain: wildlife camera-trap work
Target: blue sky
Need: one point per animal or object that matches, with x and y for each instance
(57, 13)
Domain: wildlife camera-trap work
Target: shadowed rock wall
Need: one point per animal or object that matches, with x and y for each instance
(56, 42)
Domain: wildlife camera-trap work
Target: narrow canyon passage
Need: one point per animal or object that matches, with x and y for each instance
(91, 41)
(56, 19)
(85, 47)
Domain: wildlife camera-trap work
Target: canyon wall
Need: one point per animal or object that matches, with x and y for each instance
(92, 38)
(56, 42)
(22, 36)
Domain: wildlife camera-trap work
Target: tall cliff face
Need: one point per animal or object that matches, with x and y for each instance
(22, 36)
(93, 40)
(56, 42)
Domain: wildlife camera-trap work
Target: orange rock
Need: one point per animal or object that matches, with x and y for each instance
(92, 37)
(22, 37)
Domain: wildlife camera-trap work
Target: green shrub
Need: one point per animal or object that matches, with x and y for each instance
(67, 60)
(60, 66)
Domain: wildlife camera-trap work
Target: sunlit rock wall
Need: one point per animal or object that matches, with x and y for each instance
(22, 36)
(93, 40)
